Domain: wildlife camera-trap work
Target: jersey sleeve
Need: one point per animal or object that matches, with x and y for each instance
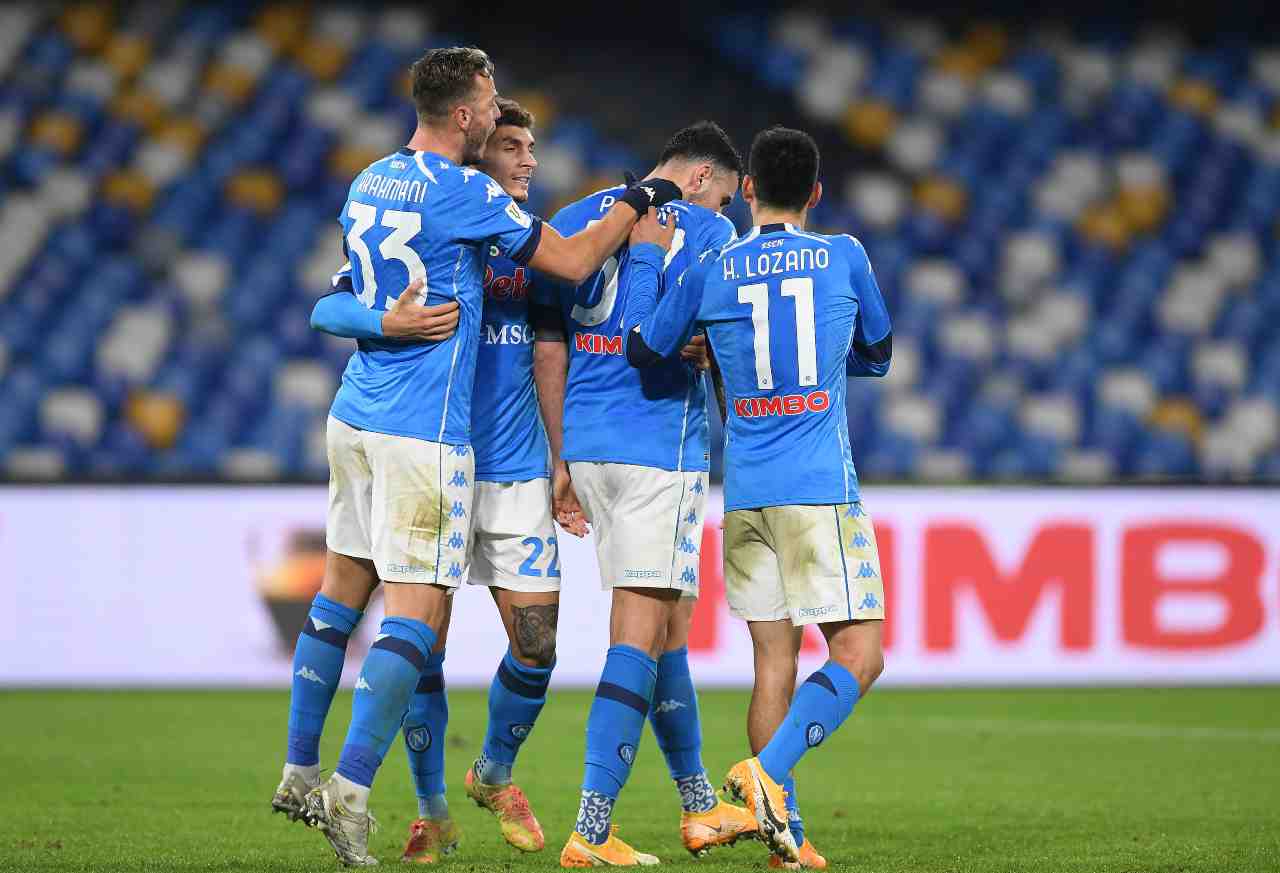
(341, 314)
(668, 327)
(717, 234)
(872, 346)
(483, 212)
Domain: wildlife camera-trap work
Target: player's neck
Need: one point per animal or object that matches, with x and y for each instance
(764, 215)
(425, 139)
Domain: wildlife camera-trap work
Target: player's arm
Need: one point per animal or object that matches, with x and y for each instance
(576, 258)
(717, 382)
(660, 330)
(872, 346)
(550, 371)
(341, 314)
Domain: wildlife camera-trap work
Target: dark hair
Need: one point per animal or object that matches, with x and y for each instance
(784, 167)
(513, 114)
(444, 77)
(703, 141)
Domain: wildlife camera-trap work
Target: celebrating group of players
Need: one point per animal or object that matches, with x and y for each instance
(533, 370)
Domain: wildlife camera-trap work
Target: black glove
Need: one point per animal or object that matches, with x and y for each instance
(655, 192)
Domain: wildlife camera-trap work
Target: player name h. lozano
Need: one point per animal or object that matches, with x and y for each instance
(783, 404)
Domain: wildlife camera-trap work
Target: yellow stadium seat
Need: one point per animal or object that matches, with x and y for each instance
(283, 25)
(127, 54)
(186, 133)
(870, 123)
(1178, 415)
(1107, 226)
(943, 197)
(1194, 96)
(129, 188)
(87, 25)
(538, 103)
(57, 131)
(989, 42)
(140, 107)
(322, 58)
(1143, 209)
(233, 84)
(158, 417)
(259, 190)
(961, 61)
(347, 161)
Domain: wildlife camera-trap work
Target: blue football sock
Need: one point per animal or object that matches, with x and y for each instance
(795, 824)
(424, 733)
(675, 719)
(614, 725)
(317, 667)
(516, 696)
(387, 680)
(821, 705)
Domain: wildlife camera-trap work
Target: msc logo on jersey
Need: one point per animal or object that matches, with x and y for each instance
(513, 287)
(627, 753)
(520, 731)
(814, 734)
(597, 344)
(787, 404)
(418, 738)
(506, 334)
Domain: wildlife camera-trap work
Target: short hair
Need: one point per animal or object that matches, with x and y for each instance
(513, 114)
(445, 77)
(703, 141)
(784, 167)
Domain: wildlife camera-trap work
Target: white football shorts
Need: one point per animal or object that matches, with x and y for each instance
(812, 564)
(647, 523)
(513, 542)
(404, 503)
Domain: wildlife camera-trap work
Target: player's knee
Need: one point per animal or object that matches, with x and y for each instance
(861, 657)
(533, 638)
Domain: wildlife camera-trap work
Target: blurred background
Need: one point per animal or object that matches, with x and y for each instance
(1076, 226)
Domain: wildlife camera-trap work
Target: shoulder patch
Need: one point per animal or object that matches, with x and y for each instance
(516, 214)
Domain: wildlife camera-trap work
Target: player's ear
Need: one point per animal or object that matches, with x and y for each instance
(748, 190)
(815, 195)
(462, 115)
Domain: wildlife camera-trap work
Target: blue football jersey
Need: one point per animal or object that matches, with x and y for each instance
(507, 437)
(412, 215)
(655, 417)
(789, 315)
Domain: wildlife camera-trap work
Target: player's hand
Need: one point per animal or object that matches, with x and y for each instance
(650, 229)
(651, 192)
(564, 503)
(696, 352)
(408, 319)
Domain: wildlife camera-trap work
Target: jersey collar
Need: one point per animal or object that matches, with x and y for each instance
(777, 228)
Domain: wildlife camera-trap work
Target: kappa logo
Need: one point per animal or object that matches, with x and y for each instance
(869, 602)
(689, 577)
(520, 731)
(467, 173)
(865, 571)
(457, 511)
(859, 541)
(492, 189)
(460, 451)
(456, 541)
(310, 675)
(651, 192)
(670, 706)
(691, 518)
(627, 753)
(418, 738)
(362, 685)
(687, 546)
(459, 479)
(814, 734)
(455, 571)
(854, 511)
(697, 487)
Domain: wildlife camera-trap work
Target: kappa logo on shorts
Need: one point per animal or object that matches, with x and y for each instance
(859, 541)
(627, 753)
(456, 541)
(814, 734)
(697, 487)
(458, 511)
(809, 611)
(455, 571)
(691, 518)
(459, 480)
(854, 511)
(460, 451)
(418, 738)
(642, 574)
(865, 571)
(520, 731)
(869, 602)
(687, 546)
(409, 568)
(689, 577)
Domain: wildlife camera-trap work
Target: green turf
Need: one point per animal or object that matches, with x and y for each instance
(1106, 780)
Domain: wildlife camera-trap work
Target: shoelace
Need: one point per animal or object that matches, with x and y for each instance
(516, 802)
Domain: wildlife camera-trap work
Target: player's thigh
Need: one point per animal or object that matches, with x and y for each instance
(753, 585)
(776, 648)
(639, 617)
(828, 560)
(348, 523)
(513, 540)
(654, 519)
(422, 509)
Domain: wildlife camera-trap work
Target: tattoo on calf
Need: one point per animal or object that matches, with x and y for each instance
(535, 632)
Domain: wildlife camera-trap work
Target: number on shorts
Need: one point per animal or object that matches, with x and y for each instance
(535, 545)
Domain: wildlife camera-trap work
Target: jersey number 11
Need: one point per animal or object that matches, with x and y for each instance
(801, 290)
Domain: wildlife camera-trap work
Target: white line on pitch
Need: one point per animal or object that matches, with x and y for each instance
(1093, 728)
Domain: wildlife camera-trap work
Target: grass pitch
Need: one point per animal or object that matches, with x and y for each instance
(1097, 780)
